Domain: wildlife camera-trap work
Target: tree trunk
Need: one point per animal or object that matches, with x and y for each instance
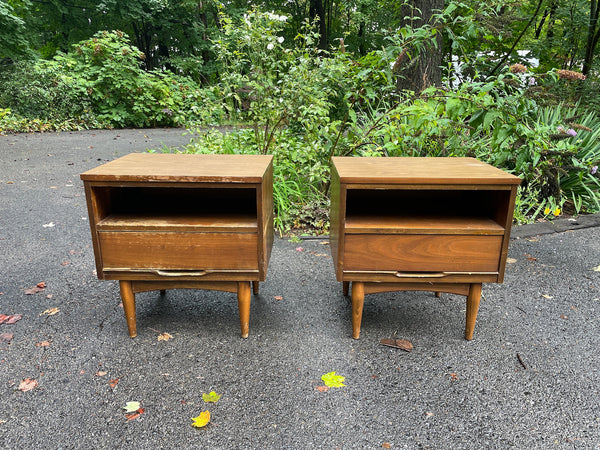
(317, 9)
(592, 38)
(422, 69)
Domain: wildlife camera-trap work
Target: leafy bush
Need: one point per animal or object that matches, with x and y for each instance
(101, 82)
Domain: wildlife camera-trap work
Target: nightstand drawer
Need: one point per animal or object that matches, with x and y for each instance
(422, 253)
(178, 251)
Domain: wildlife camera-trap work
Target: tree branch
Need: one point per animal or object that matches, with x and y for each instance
(503, 60)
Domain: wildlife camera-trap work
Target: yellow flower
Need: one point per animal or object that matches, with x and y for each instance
(547, 210)
(556, 212)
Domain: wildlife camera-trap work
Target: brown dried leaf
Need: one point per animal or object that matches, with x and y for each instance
(113, 383)
(402, 344)
(164, 336)
(322, 388)
(135, 415)
(100, 373)
(28, 384)
(386, 445)
(562, 316)
(278, 297)
(33, 290)
(6, 337)
(10, 319)
(43, 344)
(50, 312)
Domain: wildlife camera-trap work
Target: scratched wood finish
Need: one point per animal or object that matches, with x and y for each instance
(178, 251)
(176, 168)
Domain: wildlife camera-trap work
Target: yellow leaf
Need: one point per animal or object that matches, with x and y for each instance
(164, 337)
(202, 420)
(131, 406)
(332, 380)
(50, 312)
(547, 296)
(597, 269)
(213, 397)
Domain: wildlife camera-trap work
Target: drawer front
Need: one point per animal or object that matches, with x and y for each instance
(178, 251)
(422, 253)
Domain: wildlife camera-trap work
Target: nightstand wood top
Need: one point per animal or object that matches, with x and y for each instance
(420, 170)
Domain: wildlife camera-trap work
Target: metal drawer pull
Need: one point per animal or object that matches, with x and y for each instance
(421, 275)
(170, 273)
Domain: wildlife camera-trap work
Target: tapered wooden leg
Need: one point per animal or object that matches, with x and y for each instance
(243, 294)
(358, 300)
(473, 300)
(128, 298)
(345, 287)
(438, 294)
(255, 287)
(163, 292)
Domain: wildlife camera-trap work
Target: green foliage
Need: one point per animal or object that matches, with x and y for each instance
(101, 81)
(42, 91)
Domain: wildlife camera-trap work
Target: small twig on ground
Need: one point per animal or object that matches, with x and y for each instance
(521, 361)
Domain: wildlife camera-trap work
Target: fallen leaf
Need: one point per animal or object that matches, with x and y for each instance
(547, 296)
(402, 344)
(6, 337)
(202, 420)
(453, 376)
(322, 388)
(510, 260)
(562, 316)
(100, 373)
(597, 269)
(65, 263)
(136, 414)
(43, 344)
(10, 319)
(35, 289)
(50, 312)
(332, 380)
(325, 243)
(131, 407)
(213, 397)
(28, 384)
(278, 297)
(386, 445)
(48, 225)
(530, 258)
(299, 249)
(164, 337)
(113, 383)
(429, 414)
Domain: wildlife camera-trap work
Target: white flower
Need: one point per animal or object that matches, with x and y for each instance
(270, 47)
(280, 39)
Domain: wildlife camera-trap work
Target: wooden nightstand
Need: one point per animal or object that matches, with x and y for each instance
(166, 221)
(425, 224)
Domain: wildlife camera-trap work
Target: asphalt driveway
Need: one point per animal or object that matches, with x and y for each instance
(529, 379)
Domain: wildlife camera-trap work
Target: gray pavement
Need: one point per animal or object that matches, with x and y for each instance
(529, 379)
